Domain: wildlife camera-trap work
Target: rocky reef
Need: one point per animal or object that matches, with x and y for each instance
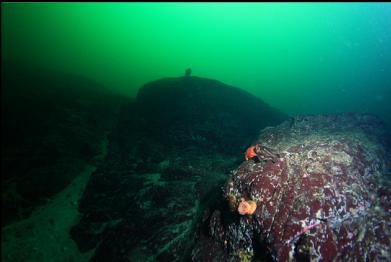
(203, 113)
(325, 198)
(52, 124)
(167, 159)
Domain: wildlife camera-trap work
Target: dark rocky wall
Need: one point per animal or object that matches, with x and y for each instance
(51, 123)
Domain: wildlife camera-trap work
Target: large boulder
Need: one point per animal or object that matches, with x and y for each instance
(52, 124)
(325, 198)
(203, 112)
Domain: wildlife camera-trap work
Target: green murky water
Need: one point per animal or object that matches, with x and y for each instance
(298, 57)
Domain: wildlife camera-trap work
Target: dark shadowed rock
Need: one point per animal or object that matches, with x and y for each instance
(51, 123)
(168, 157)
(326, 198)
(203, 112)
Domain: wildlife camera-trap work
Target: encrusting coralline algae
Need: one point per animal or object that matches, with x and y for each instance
(323, 200)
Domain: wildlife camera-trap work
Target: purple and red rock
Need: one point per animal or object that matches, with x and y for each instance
(322, 199)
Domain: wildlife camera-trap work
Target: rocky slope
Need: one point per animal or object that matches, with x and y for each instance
(168, 157)
(324, 198)
(204, 113)
(52, 124)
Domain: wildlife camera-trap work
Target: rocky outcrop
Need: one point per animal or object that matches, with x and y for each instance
(168, 157)
(204, 113)
(51, 124)
(325, 199)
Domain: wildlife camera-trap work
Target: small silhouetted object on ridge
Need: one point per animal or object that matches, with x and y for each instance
(188, 72)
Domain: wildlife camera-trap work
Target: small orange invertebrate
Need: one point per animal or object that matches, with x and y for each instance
(247, 207)
(250, 153)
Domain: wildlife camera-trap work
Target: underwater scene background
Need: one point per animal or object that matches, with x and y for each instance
(196, 131)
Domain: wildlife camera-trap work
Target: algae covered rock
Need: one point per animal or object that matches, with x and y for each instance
(168, 157)
(324, 199)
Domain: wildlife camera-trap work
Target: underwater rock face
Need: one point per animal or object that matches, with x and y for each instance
(203, 112)
(168, 157)
(52, 124)
(144, 201)
(324, 199)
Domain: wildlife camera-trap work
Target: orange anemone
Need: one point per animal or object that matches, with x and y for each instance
(250, 152)
(247, 207)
